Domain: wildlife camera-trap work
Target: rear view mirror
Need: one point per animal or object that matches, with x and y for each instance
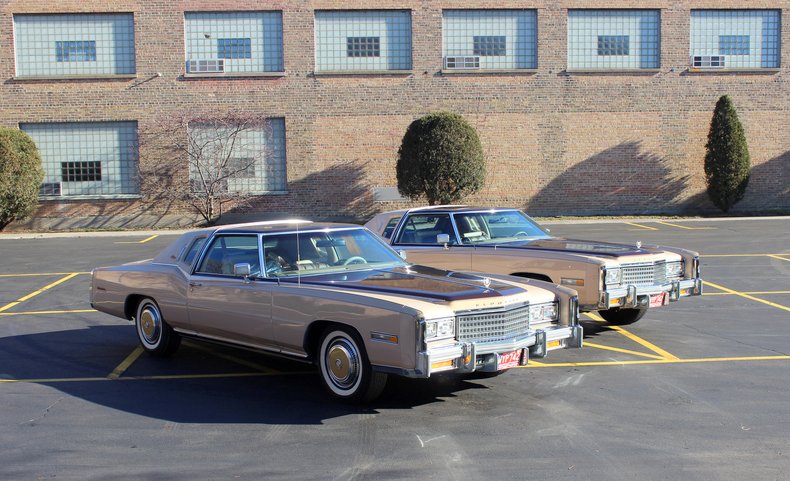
(241, 270)
(402, 254)
(443, 239)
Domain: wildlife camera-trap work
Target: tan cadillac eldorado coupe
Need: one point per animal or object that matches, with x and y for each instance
(337, 296)
(620, 281)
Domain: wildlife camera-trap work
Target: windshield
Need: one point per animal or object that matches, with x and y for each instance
(497, 227)
(319, 252)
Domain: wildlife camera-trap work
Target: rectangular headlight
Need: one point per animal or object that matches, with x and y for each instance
(613, 276)
(675, 269)
(543, 312)
(439, 328)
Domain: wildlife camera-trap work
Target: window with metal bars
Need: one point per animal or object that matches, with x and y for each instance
(490, 46)
(614, 39)
(234, 48)
(75, 51)
(733, 44)
(613, 45)
(741, 39)
(363, 47)
(81, 171)
(489, 39)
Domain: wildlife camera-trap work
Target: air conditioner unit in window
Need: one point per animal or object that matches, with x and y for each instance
(50, 189)
(462, 62)
(708, 61)
(215, 65)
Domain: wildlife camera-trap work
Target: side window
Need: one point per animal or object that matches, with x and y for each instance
(390, 227)
(423, 229)
(193, 250)
(226, 251)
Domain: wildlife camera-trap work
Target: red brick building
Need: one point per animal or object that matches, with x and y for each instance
(582, 106)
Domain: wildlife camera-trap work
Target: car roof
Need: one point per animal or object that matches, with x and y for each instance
(458, 208)
(279, 226)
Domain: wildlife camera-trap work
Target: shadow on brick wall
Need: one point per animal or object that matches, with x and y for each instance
(338, 193)
(621, 180)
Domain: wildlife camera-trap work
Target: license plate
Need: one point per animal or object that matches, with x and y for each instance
(658, 300)
(510, 359)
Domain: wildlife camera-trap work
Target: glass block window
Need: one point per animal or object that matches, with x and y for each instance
(238, 159)
(234, 42)
(736, 38)
(363, 47)
(74, 45)
(90, 158)
(613, 44)
(614, 39)
(76, 51)
(362, 40)
(490, 39)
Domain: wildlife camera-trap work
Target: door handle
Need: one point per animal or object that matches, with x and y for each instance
(195, 284)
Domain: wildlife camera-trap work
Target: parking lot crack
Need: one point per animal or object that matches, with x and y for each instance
(32, 422)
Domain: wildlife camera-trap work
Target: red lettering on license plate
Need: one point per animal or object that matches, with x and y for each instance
(510, 359)
(658, 300)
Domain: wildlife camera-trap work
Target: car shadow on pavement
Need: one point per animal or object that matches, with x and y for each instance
(201, 383)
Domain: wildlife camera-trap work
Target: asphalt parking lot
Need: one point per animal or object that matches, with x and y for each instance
(696, 390)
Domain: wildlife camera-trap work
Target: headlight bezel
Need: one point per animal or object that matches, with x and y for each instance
(612, 276)
(545, 311)
(440, 328)
(678, 269)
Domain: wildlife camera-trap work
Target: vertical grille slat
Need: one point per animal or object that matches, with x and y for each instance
(495, 326)
(645, 274)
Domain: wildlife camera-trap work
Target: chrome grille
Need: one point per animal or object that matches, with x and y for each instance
(494, 326)
(653, 273)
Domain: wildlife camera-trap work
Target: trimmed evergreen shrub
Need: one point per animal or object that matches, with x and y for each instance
(727, 164)
(21, 175)
(440, 158)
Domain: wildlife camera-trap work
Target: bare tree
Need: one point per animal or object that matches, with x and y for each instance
(205, 161)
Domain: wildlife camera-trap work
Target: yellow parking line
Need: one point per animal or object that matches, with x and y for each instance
(126, 363)
(640, 225)
(39, 313)
(662, 361)
(624, 351)
(762, 293)
(664, 354)
(684, 227)
(737, 255)
(774, 256)
(138, 242)
(35, 293)
(154, 378)
(746, 296)
(39, 274)
(149, 239)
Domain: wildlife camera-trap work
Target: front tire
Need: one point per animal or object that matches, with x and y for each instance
(622, 317)
(345, 369)
(155, 334)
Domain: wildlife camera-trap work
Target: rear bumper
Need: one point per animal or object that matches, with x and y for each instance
(639, 296)
(467, 357)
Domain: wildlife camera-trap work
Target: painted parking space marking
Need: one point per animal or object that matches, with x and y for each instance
(660, 352)
(42, 313)
(757, 293)
(35, 293)
(126, 363)
(148, 239)
(746, 296)
(658, 361)
(154, 378)
(39, 274)
(779, 256)
(684, 226)
(641, 226)
(624, 351)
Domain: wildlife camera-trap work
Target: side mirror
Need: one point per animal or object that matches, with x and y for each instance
(443, 239)
(402, 254)
(241, 270)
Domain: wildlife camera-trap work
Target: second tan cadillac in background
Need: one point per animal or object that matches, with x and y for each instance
(620, 281)
(337, 296)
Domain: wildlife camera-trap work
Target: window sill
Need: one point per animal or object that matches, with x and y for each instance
(733, 70)
(491, 71)
(34, 78)
(330, 73)
(61, 198)
(231, 75)
(624, 71)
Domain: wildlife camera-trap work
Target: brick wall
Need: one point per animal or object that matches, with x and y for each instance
(555, 142)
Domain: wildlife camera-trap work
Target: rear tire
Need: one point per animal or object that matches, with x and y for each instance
(345, 369)
(155, 334)
(622, 317)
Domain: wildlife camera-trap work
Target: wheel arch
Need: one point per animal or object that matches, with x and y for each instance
(131, 303)
(312, 337)
(533, 275)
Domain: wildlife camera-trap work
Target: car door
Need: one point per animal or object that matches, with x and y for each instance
(226, 306)
(417, 236)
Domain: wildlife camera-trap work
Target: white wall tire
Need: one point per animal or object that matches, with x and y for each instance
(153, 332)
(345, 370)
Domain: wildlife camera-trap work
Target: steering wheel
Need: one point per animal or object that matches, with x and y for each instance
(355, 260)
(521, 234)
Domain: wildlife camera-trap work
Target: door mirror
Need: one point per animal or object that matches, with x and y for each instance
(241, 270)
(443, 239)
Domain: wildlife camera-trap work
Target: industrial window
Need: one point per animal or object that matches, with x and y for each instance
(234, 47)
(74, 45)
(91, 158)
(363, 47)
(490, 39)
(735, 39)
(614, 39)
(75, 51)
(612, 44)
(234, 42)
(241, 159)
(372, 40)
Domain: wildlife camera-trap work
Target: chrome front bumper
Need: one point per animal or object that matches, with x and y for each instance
(638, 296)
(466, 357)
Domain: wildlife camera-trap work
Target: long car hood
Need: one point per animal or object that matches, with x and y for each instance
(583, 247)
(420, 281)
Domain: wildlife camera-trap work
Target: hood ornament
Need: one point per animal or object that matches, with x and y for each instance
(486, 281)
(638, 244)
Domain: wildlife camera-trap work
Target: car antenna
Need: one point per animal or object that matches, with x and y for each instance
(298, 258)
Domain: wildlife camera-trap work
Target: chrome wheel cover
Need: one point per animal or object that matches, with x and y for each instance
(150, 325)
(343, 363)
